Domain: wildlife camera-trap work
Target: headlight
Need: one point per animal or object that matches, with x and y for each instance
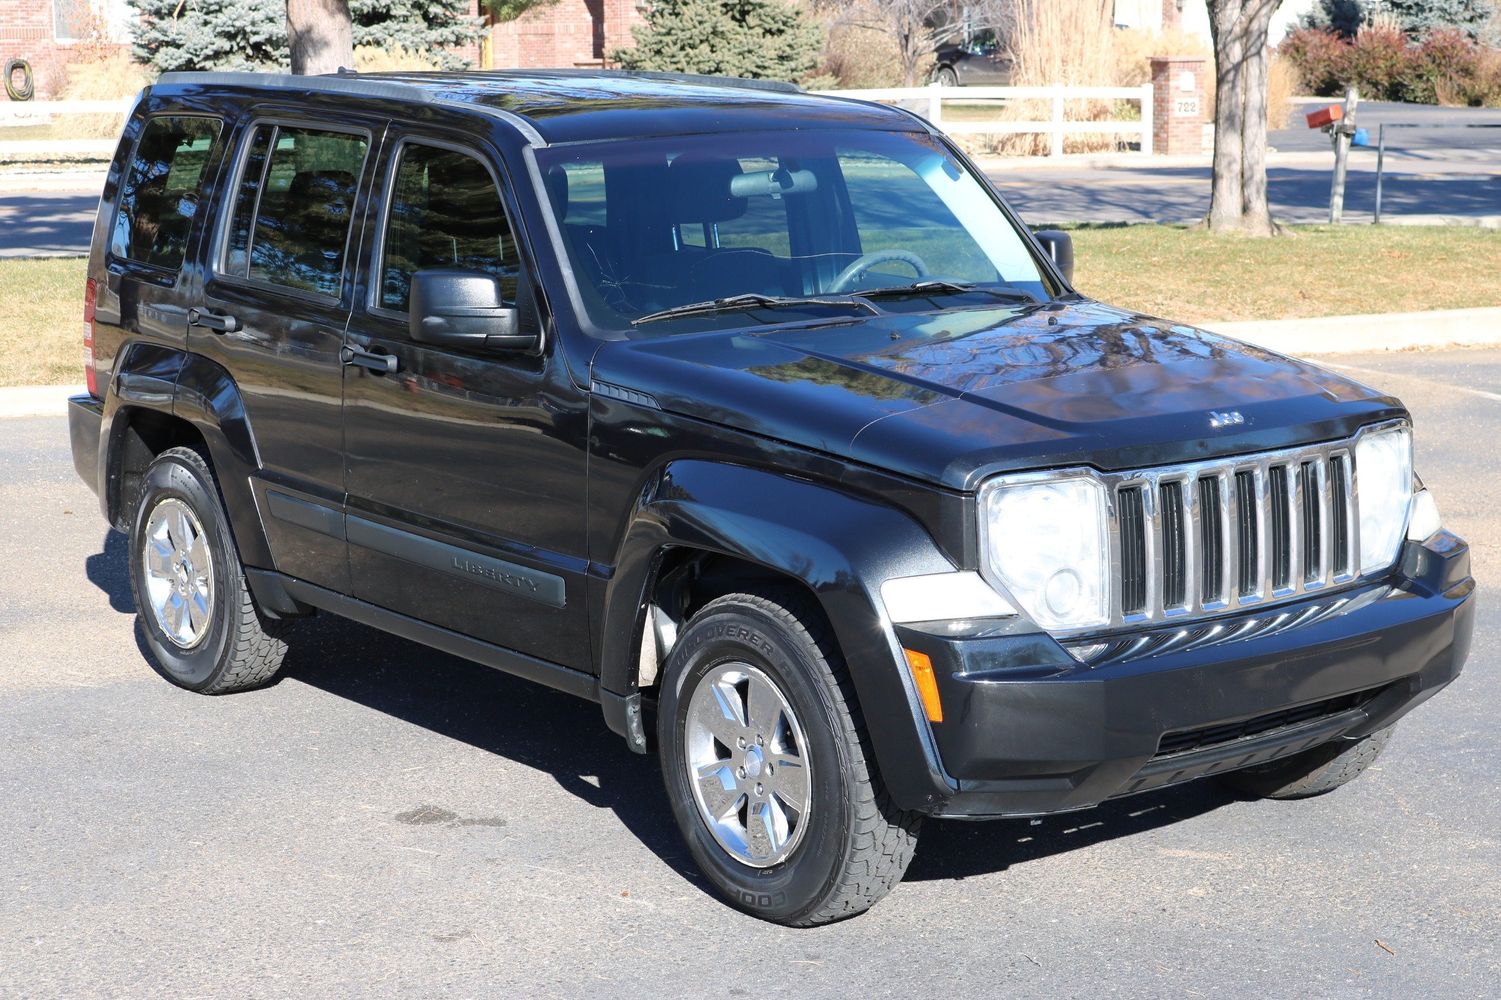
(1383, 482)
(1046, 543)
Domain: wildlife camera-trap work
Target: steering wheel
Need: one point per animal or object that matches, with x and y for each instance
(860, 265)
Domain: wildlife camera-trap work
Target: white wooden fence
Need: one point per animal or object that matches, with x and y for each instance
(928, 102)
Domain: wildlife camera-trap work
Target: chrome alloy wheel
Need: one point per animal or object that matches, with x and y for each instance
(179, 573)
(746, 760)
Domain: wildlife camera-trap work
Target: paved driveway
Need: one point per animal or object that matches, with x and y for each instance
(387, 820)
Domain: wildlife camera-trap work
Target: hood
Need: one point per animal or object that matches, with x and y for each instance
(953, 396)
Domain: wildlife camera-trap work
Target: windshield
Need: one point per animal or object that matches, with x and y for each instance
(651, 225)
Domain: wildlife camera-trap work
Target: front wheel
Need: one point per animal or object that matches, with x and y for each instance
(946, 77)
(765, 758)
(1312, 772)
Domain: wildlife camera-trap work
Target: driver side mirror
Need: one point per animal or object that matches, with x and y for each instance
(1060, 247)
(449, 307)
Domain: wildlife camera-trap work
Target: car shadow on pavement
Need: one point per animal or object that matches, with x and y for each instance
(566, 737)
(957, 849)
(109, 571)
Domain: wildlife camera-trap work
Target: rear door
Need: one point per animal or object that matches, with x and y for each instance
(275, 304)
(465, 472)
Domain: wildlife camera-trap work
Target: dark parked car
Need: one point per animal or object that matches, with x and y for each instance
(758, 419)
(980, 61)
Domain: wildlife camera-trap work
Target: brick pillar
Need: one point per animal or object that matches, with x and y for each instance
(1178, 110)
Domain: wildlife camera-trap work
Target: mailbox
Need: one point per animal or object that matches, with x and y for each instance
(1324, 117)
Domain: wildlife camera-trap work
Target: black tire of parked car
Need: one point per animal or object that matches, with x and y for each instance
(857, 844)
(241, 649)
(1312, 772)
(945, 76)
(27, 90)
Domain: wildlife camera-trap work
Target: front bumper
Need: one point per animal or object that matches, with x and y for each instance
(1030, 727)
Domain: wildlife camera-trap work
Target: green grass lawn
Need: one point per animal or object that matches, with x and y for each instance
(41, 321)
(1197, 277)
(1180, 274)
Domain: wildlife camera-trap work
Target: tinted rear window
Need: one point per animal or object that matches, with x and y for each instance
(159, 199)
(290, 224)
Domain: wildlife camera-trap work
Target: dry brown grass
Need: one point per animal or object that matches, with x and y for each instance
(100, 74)
(1057, 42)
(861, 57)
(41, 321)
(369, 59)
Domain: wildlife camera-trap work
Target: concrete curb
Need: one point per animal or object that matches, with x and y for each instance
(1365, 334)
(36, 400)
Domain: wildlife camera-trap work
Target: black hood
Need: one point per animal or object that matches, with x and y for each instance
(949, 397)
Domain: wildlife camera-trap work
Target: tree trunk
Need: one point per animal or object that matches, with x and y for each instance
(320, 34)
(1238, 198)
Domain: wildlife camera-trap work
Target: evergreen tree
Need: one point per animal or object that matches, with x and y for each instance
(757, 39)
(1415, 17)
(252, 34)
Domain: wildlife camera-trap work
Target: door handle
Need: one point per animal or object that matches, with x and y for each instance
(217, 322)
(381, 364)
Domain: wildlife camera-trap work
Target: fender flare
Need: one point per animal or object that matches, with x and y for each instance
(175, 383)
(839, 545)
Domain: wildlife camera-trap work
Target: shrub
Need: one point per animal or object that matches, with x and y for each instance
(759, 39)
(1378, 62)
(1320, 59)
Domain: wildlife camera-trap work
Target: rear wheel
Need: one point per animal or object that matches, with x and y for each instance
(945, 76)
(1312, 772)
(195, 610)
(765, 758)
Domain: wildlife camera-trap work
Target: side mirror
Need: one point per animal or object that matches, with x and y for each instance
(1060, 247)
(455, 308)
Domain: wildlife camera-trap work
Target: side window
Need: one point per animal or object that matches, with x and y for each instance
(291, 219)
(159, 198)
(445, 211)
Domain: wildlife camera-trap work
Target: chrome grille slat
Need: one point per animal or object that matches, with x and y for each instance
(1208, 538)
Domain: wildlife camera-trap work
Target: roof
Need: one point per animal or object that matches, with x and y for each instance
(556, 106)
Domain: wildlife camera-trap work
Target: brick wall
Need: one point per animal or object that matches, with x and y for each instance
(564, 34)
(1178, 110)
(28, 31)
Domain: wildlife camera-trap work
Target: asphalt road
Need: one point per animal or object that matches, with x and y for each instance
(387, 820)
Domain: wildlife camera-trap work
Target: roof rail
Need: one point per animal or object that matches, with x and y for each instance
(698, 79)
(340, 84)
(351, 84)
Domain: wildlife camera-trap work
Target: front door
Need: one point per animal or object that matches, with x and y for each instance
(465, 469)
(275, 305)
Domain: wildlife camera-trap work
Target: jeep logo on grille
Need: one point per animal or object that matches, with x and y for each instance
(1225, 418)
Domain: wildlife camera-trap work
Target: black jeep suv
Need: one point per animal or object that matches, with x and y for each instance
(760, 420)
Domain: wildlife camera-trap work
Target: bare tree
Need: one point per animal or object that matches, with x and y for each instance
(320, 34)
(920, 26)
(1241, 52)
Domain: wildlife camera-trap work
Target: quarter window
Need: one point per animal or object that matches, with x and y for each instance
(291, 220)
(445, 212)
(159, 199)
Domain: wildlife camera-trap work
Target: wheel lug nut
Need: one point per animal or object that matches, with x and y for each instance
(760, 741)
(740, 742)
(740, 771)
(760, 790)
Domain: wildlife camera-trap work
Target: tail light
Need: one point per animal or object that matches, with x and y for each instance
(90, 293)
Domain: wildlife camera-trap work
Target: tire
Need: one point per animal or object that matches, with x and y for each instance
(851, 845)
(27, 89)
(232, 647)
(1313, 772)
(945, 76)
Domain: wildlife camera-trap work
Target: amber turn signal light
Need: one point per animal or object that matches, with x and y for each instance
(921, 666)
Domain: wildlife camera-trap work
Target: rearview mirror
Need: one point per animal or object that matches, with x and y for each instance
(465, 309)
(1060, 247)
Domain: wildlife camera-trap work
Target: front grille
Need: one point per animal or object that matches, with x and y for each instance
(1204, 737)
(1213, 537)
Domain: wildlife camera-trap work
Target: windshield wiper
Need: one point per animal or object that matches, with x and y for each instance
(752, 300)
(952, 287)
